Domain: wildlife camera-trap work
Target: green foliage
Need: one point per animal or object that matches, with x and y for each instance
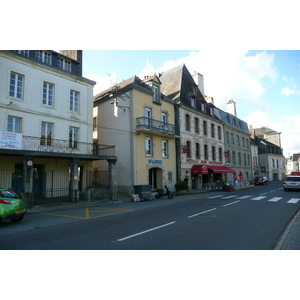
(181, 186)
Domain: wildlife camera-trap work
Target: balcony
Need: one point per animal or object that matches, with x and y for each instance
(38, 144)
(148, 125)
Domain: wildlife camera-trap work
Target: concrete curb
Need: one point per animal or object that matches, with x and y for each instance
(287, 231)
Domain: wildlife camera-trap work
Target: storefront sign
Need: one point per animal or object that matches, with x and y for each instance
(10, 140)
(154, 162)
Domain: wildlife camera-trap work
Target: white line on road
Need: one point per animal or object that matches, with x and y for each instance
(273, 191)
(293, 200)
(244, 197)
(203, 212)
(264, 193)
(259, 198)
(275, 199)
(231, 203)
(215, 196)
(134, 235)
(228, 197)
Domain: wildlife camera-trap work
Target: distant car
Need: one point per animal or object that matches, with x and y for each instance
(291, 182)
(12, 205)
(261, 180)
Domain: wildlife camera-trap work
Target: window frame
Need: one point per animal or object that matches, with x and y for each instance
(46, 101)
(14, 125)
(13, 93)
(46, 134)
(73, 101)
(149, 146)
(165, 149)
(73, 137)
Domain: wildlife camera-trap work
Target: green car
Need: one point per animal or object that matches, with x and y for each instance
(12, 205)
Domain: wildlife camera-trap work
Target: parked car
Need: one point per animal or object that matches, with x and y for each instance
(12, 205)
(291, 182)
(261, 180)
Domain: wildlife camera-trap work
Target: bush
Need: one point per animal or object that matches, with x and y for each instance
(181, 186)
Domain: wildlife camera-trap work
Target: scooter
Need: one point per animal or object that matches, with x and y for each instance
(161, 193)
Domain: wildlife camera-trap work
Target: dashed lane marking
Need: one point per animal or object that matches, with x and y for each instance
(259, 198)
(293, 200)
(275, 199)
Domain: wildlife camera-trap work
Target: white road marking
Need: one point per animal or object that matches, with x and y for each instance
(203, 212)
(272, 191)
(264, 193)
(215, 196)
(228, 197)
(293, 200)
(244, 197)
(259, 198)
(231, 203)
(275, 199)
(155, 228)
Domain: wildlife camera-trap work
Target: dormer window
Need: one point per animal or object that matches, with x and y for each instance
(195, 89)
(203, 106)
(212, 111)
(193, 102)
(155, 96)
(43, 56)
(64, 64)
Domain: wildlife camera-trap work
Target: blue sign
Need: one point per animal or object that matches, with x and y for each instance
(154, 162)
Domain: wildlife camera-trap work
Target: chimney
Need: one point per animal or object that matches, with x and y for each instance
(76, 55)
(198, 78)
(209, 100)
(231, 107)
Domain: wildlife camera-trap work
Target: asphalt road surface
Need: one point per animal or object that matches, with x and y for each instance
(251, 219)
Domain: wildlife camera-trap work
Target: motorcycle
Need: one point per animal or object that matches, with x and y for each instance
(162, 193)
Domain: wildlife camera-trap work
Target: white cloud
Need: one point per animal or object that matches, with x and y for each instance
(286, 91)
(102, 83)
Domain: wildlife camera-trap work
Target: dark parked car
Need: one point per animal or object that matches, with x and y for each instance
(261, 180)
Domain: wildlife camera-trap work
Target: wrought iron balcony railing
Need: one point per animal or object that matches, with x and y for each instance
(31, 143)
(156, 127)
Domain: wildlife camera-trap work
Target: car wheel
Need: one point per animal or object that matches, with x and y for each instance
(17, 219)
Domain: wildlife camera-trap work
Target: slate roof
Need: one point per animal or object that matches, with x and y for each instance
(178, 83)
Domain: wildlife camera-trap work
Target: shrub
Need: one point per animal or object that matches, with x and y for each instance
(181, 186)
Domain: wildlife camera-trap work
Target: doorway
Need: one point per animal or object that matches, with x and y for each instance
(155, 178)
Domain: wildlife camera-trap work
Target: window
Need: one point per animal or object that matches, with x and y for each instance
(243, 140)
(219, 132)
(203, 106)
(164, 146)
(43, 56)
(187, 122)
(193, 102)
(170, 177)
(189, 153)
(196, 125)
(73, 137)
(48, 93)
(212, 130)
(149, 146)
(46, 135)
(164, 118)
(220, 154)
(197, 151)
(232, 138)
(245, 162)
(205, 152)
(14, 124)
(240, 158)
(204, 127)
(233, 157)
(95, 125)
(155, 97)
(22, 52)
(74, 101)
(212, 112)
(227, 136)
(238, 140)
(64, 64)
(16, 85)
(213, 149)
(148, 115)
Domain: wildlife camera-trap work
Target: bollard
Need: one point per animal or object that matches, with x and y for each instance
(87, 213)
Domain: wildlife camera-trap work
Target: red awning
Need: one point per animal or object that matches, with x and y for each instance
(220, 169)
(203, 169)
(199, 169)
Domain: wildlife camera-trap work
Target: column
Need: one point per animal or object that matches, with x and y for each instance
(113, 185)
(74, 193)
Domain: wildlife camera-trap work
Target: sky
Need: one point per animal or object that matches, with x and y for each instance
(265, 84)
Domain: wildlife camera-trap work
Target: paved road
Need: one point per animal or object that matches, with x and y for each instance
(248, 219)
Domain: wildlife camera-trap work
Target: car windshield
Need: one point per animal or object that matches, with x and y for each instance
(8, 194)
(293, 179)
